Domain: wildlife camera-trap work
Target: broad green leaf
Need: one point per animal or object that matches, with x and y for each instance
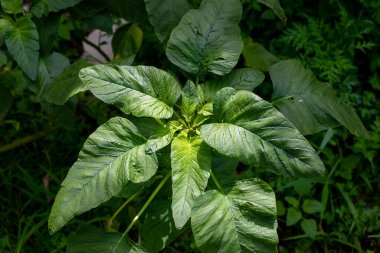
(49, 68)
(311, 206)
(191, 99)
(276, 7)
(293, 201)
(22, 42)
(95, 240)
(240, 79)
(257, 57)
(254, 132)
(4, 23)
(207, 39)
(158, 229)
(191, 161)
(309, 226)
(311, 105)
(12, 6)
(48, 31)
(142, 91)
(126, 42)
(43, 7)
(111, 157)
(67, 84)
(241, 220)
(293, 216)
(164, 15)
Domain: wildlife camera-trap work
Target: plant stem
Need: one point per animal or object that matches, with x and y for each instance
(176, 114)
(160, 122)
(97, 48)
(197, 80)
(25, 140)
(122, 207)
(216, 182)
(144, 207)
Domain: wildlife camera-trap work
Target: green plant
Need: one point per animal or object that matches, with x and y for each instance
(176, 133)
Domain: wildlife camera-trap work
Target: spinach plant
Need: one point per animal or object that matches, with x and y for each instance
(214, 114)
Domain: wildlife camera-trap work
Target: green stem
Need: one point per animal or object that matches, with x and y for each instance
(144, 207)
(160, 122)
(216, 182)
(122, 207)
(25, 140)
(97, 48)
(197, 80)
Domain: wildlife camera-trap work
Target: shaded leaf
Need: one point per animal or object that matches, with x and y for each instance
(311, 206)
(254, 132)
(113, 155)
(49, 68)
(191, 161)
(3, 25)
(257, 57)
(142, 91)
(240, 79)
(311, 105)
(126, 42)
(158, 229)
(12, 6)
(67, 84)
(309, 226)
(293, 216)
(242, 220)
(293, 201)
(164, 15)
(207, 39)
(22, 42)
(43, 7)
(48, 31)
(276, 7)
(95, 240)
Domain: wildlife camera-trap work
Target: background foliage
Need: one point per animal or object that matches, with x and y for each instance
(39, 141)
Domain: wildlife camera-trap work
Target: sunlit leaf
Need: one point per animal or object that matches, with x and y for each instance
(240, 220)
(191, 161)
(253, 131)
(111, 157)
(140, 90)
